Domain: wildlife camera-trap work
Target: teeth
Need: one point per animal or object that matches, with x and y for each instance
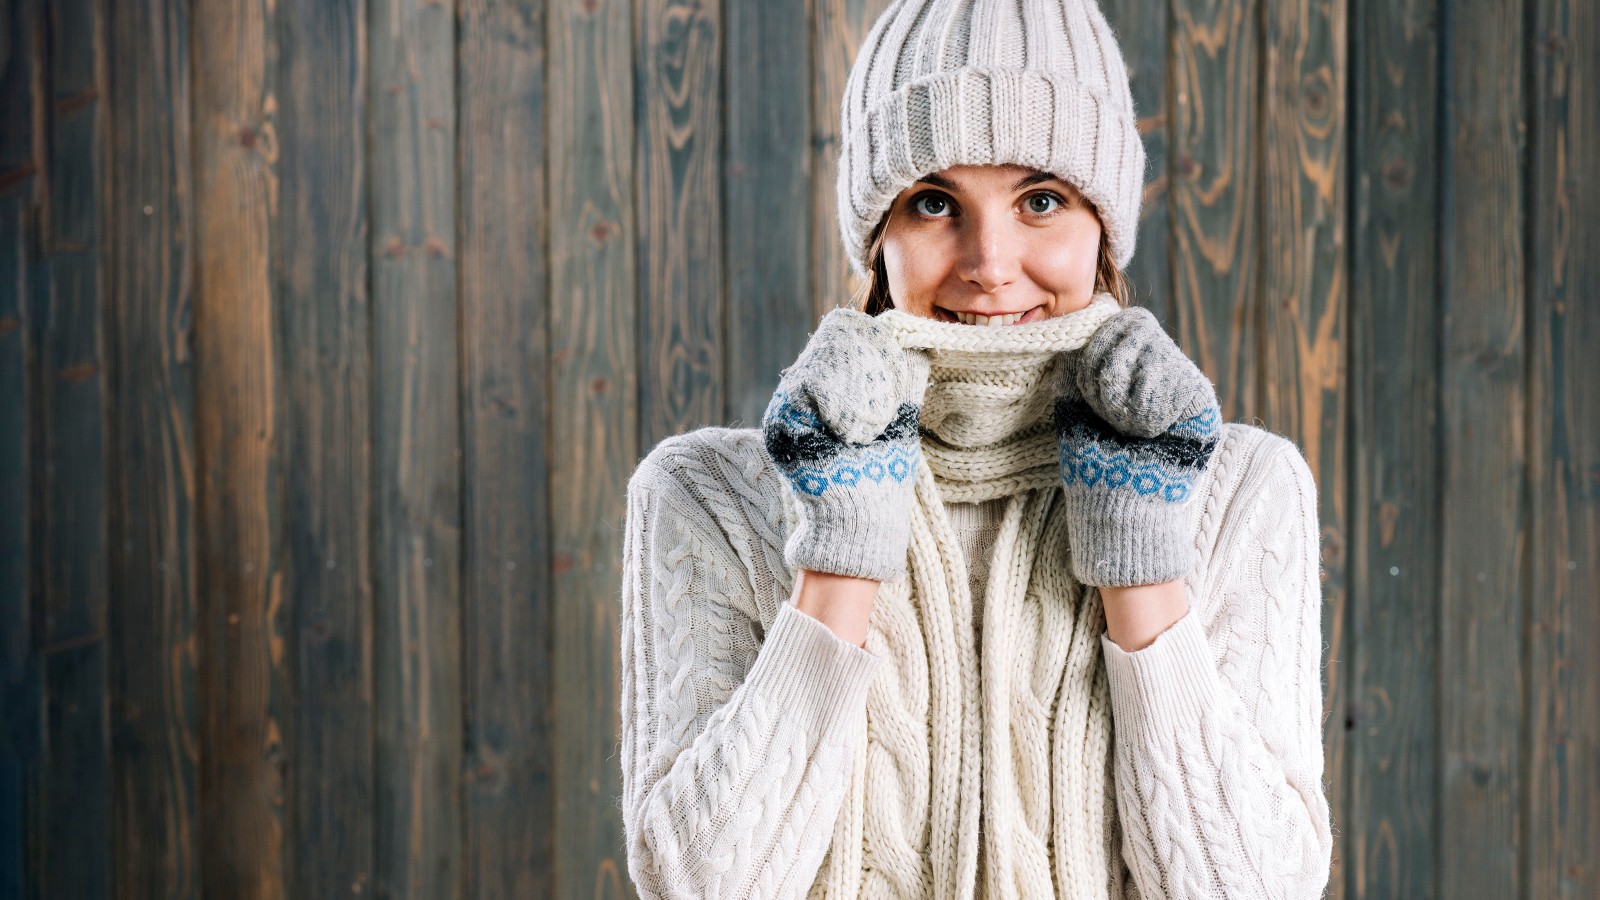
(989, 321)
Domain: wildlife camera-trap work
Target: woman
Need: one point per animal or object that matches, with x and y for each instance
(992, 604)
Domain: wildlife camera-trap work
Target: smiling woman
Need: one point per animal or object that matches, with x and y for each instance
(880, 646)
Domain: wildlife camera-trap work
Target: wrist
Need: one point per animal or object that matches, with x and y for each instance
(841, 602)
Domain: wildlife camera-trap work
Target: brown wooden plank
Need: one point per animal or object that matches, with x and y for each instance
(417, 545)
(593, 384)
(1215, 161)
(1303, 341)
(1563, 804)
(766, 191)
(69, 429)
(1143, 32)
(506, 599)
(241, 555)
(1390, 655)
(1482, 415)
(154, 649)
(678, 81)
(838, 27)
(323, 315)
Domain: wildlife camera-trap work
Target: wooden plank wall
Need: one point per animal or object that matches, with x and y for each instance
(330, 333)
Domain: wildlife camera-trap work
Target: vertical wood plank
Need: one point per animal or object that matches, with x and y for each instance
(240, 547)
(1483, 421)
(1215, 162)
(678, 84)
(838, 28)
(417, 447)
(764, 177)
(1395, 321)
(1144, 34)
(1303, 341)
(593, 384)
(70, 441)
(154, 719)
(1563, 790)
(509, 807)
(323, 318)
(20, 692)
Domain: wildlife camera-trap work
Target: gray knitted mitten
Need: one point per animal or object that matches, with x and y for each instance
(1136, 422)
(842, 428)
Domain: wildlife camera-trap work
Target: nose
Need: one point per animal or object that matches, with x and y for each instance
(990, 257)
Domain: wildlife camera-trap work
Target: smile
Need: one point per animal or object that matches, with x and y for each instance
(993, 320)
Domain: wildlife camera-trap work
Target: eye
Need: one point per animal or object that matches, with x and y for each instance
(931, 204)
(1044, 208)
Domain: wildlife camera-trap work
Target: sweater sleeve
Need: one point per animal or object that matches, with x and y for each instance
(1218, 755)
(735, 748)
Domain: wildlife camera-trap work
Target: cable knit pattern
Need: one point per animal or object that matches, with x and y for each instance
(745, 722)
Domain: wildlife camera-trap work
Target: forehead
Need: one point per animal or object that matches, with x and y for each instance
(962, 178)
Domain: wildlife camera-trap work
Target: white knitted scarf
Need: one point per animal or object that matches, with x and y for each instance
(985, 769)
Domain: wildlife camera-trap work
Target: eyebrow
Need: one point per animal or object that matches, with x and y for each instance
(1031, 178)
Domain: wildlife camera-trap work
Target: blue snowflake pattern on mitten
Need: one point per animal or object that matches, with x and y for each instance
(813, 459)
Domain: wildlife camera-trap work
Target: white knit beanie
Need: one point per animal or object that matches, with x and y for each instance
(1038, 83)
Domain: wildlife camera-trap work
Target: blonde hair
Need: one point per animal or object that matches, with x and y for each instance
(872, 296)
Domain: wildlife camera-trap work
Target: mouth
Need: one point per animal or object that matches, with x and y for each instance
(992, 320)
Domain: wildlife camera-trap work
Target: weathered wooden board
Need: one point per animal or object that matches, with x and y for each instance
(71, 576)
(245, 691)
(593, 438)
(416, 448)
(678, 143)
(837, 29)
(155, 717)
(1213, 184)
(1143, 32)
(322, 316)
(1389, 668)
(765, 188)
(20, 689)
(506, 598)
(1563, 762)
(1483, 527)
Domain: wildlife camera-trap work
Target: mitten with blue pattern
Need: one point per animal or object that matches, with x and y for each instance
(842, 428)
(1136, 423)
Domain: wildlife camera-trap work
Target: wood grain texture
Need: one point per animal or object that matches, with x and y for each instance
(1215, 220)
(506, 599)
(71, 582)
(416, 442)
(838, 28)
(1143, 31)
(323, 319)
(593, 429)
(1563, 748)
(765, 194)
(1389, 673)
(1303, 342)
(1483, 417)
(155, 735)
(21, 689)
(678, 141)
(244, 684)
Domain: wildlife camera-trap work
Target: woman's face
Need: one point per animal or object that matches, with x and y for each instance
(991, 242)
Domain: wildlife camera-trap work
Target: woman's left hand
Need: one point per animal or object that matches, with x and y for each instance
(1136, 422)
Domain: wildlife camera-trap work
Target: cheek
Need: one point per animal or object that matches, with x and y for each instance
(914, 271)
(1067, 263)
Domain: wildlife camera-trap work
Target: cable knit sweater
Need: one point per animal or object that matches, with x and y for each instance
(742, 717)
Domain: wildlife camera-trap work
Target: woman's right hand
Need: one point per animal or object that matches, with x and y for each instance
(843, 429)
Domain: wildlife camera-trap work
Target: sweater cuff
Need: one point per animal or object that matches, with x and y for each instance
(1165, 686)
(810, 675)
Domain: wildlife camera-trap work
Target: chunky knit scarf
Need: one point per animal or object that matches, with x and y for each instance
(985, 769)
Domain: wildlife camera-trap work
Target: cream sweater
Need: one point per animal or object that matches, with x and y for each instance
(741, 716)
